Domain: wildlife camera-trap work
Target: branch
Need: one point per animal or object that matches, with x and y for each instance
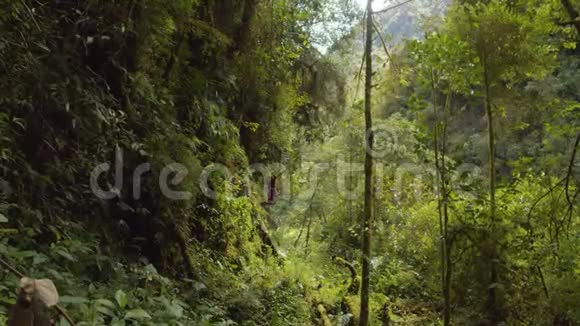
(14, 271)
(546, 292)
(570, 168)
(308, 215)
(383, 43)
(362, 62)
(11, 268)
(392, 7)
(31, 14)
(569, 199)
(539, 199)
(353, 288)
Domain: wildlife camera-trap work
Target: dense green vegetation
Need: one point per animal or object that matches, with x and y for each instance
(198, 162)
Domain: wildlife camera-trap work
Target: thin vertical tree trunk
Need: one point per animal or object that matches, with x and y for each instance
(442, 197)
(307, 244)
(439, 183)
(445, 194)
(447, 284)
(350, 176)
(368, 204)
(492, 306)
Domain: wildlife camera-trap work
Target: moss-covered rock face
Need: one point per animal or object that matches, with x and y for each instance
(167, 90)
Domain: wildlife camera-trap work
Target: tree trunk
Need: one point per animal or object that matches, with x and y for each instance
(245, 28)
(368, 204)
(439, 186)
(445, 194)
(447, 286)
(442, 197)
(492, 305)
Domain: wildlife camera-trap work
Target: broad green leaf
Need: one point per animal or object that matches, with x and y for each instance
(105, 303)
(121, 298)
(137, 314)
(65, 254)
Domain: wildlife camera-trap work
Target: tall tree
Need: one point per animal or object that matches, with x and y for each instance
(443, 64)
(507, 48)
(368, 204)
(440, 140)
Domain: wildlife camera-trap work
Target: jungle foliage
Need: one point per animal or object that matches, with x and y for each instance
(476, 170)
